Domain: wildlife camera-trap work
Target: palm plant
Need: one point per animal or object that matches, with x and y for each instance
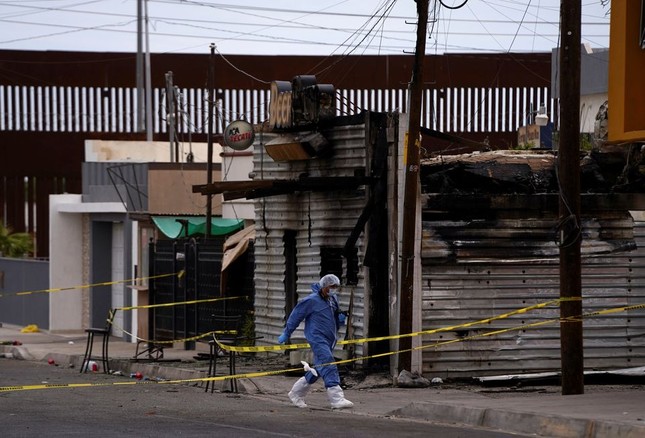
(15, 244)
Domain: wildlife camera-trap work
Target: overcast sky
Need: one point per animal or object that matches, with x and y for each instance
(320, 27)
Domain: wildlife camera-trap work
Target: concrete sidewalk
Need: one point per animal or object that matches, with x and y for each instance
(603, 411)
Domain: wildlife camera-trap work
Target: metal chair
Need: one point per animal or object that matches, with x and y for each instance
(226, 332)
(105, 333)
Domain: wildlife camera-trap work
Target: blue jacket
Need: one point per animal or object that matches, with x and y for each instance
(320, 316)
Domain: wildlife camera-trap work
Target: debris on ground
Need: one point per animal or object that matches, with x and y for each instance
(407, 379)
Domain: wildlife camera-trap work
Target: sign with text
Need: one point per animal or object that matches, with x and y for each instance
(239, 135)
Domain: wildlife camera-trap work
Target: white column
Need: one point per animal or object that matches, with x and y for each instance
(65, 265)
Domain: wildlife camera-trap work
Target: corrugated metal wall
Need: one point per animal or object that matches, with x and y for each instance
(465, 290)
(320, 219)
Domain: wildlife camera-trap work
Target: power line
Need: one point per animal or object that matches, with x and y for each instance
(220, 30)
(71, 29)
(20, 4)
(105, 27)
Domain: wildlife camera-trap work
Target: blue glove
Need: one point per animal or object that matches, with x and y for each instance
(283, 338)
(342, 318)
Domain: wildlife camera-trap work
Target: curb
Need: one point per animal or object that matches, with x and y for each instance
(518, 422)
(17, 352)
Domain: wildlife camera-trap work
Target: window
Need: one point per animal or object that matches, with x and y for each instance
(331, 262)
(290, 270)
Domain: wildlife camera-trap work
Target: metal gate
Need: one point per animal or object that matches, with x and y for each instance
(201, 261)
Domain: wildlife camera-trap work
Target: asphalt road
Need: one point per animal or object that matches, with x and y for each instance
(164, 410)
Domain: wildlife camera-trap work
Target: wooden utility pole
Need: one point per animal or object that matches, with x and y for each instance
(411, 163)
(571, 349)
(209, 161)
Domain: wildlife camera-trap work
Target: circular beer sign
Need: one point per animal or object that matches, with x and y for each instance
(239, 135)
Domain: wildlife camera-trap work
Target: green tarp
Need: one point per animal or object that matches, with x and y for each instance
(173, 226)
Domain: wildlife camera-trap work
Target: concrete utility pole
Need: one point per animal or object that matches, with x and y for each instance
(411, 188)
(209, 161)
(170, 109)
(141, 107)
(148, 79)
(571, 349)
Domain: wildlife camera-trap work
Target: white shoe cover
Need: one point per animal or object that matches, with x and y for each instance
(298, 392)
(337, 398)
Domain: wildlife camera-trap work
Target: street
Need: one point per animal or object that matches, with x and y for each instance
(162, 410)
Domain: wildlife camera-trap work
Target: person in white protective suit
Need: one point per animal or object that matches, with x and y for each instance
(322, 319)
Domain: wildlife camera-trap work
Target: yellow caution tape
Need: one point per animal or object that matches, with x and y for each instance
(264, 348)
(178, 303)
(253, 374)
(173, 341)
(268, 348)
(491, 333)
(87, 286)
(389, 353)
(148, 382)
(614, 310)
(112, 314)
(235, 376)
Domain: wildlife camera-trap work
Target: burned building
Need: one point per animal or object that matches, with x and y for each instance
(490, 246)
(321, 206)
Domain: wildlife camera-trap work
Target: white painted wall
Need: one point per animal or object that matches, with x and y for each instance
(237, 168)
(118, 273)
(66, 308)
(66, 264)
(146, 152)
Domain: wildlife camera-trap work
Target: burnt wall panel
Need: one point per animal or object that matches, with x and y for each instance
(319, 220)
(470, 288)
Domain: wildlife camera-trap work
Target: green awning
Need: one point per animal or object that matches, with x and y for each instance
(173, 226)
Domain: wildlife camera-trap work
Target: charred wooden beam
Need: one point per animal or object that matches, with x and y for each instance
(546, 202)
(490, 172)
(261, 188)
(230, 196)
(265, 193)
(313, 184)
(229, 186)
(324, 184)
(607, 170)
